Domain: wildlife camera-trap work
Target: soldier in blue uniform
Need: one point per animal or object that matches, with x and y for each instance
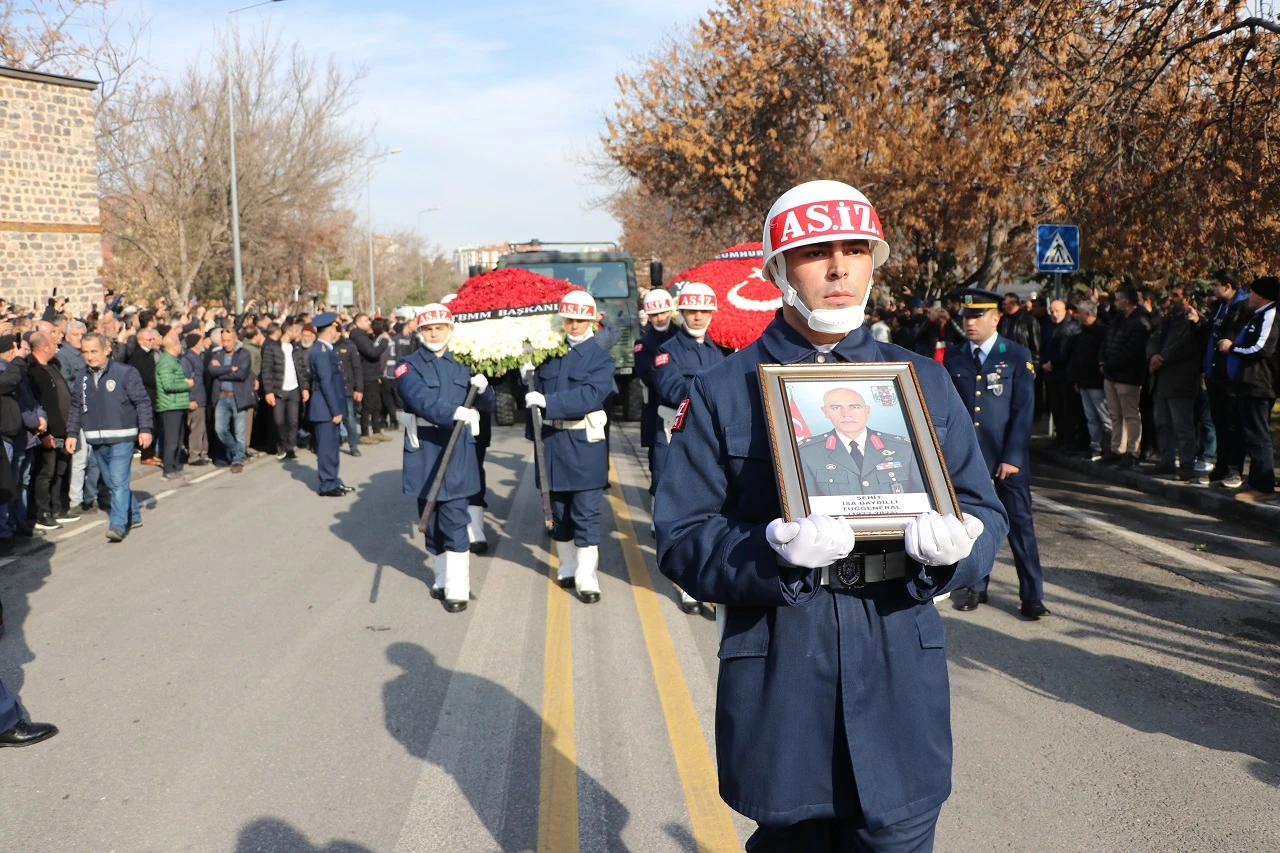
(688, 353)
(996, 378)
(328, 404)
(479, 501)
(434, 388)
(833, 727)
(571, 391)
(659, 309)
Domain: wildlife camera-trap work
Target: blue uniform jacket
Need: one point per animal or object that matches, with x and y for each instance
(574, 384)
(686, 358)
(1000, 402)
(644, 352)
(328, 397)
(433, 387)
(795, 657)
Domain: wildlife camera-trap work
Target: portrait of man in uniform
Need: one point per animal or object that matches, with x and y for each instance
(856, 450)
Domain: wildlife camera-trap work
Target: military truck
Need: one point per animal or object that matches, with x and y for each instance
(609, 276)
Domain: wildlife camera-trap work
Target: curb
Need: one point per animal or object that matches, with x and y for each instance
(1218, 502)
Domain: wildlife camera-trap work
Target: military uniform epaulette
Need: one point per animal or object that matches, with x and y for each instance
(810, 440)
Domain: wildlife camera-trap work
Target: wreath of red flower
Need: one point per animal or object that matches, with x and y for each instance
(512, 287)
(746, 300)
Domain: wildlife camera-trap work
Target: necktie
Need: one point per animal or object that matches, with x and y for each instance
(856, 454)
(977, 361)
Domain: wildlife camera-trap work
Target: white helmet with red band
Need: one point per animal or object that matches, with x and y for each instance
(821, 212)
(578, 305)
(436, 312)
(657, 301)
(696, 296)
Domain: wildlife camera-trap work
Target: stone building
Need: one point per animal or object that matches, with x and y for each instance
(50, 229)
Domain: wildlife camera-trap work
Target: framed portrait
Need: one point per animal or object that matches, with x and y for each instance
(854, 441)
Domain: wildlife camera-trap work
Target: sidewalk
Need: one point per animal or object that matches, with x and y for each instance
(1213, 500)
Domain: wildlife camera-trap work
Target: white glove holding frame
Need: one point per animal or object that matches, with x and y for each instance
(535, 398)
(480, 383)
(811, 542)
(940, 540)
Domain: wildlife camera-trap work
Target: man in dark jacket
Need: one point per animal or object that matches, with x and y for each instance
(231, 377)
(1085, 372)
(1173, 358)
(1225, 322)
(1061, 334)
(1124, 367)
(353, 383)
(286, 383)
(197, 429)
(1020, 326)
(51, 458)
(142, 358)
(371, 349)
(110, 404)
(1251, 364)
(22, 441)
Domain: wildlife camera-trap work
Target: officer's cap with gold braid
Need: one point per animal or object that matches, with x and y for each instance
(974, 302)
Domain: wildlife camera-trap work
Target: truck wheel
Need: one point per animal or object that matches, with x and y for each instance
(504, 401)
(633, 400)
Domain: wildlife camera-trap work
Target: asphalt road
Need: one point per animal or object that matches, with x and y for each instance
(260, 669)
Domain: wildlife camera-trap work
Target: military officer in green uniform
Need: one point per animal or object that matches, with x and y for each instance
(854, 460)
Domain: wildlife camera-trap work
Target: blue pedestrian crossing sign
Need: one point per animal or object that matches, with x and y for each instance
(1057, 248)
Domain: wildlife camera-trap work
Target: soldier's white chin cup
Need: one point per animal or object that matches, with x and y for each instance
(436, 347)
(827, 321)
(574, 340)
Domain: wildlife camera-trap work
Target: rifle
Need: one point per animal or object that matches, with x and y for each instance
(438, 482)
(540, 455)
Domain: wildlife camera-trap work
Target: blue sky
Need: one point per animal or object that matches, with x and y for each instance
(493, 102)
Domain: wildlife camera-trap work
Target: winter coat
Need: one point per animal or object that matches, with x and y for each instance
(1124, 354)
(1177, 343)
(172, 394)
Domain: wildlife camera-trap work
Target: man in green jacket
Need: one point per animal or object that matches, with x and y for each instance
(173, 401)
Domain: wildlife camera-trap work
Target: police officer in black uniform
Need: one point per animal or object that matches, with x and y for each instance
(996, 379)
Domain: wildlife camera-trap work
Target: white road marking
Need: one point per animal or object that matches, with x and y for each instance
(215, 472)
(81, 528)
(1231, 581)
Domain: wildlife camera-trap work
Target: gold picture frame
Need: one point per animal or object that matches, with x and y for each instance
(878, 463)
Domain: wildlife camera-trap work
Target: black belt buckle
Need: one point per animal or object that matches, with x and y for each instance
(850, 572)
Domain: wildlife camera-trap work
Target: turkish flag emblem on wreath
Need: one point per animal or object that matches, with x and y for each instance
(747, 301)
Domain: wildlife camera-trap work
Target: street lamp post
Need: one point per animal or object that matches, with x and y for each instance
(431, 209)
(368, 192)
(231, 129)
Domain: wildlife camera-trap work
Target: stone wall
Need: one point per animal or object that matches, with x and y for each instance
(50, 230)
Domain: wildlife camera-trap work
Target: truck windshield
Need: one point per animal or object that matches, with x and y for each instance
(603, 279)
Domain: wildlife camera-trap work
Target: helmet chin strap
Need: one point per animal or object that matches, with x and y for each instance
(827, 321)
(699, 333)
(660, 327)
(435, 347)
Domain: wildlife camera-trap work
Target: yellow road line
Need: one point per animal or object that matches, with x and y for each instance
(558, 778)
(712, 826)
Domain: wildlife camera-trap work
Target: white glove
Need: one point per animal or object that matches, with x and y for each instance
(812, 542)
(535, 398)
(479, 383)
(526, 372)
(940, 540)
(470, 417)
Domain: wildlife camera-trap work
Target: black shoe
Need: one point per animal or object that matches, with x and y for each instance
(1034, 609)
(967, 600)
(48, 522)
(347, 489)
(355, 451)
(480, 547)
(1127, 462)
(437, 592)
(115, 534)
(332, 493)
(67, 515)
(198, 462)
(455, 606)
(25, 734)
(589, 597)
(290, 454)
(566, 583)
(87, 508)
(693, 608)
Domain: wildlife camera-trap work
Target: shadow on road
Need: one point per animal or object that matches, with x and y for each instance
(20, 578)
(1134, 693)
(503, 794)
(269, 835)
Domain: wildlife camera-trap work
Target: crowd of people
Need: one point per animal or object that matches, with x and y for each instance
(82, 397)
(1131, 378)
